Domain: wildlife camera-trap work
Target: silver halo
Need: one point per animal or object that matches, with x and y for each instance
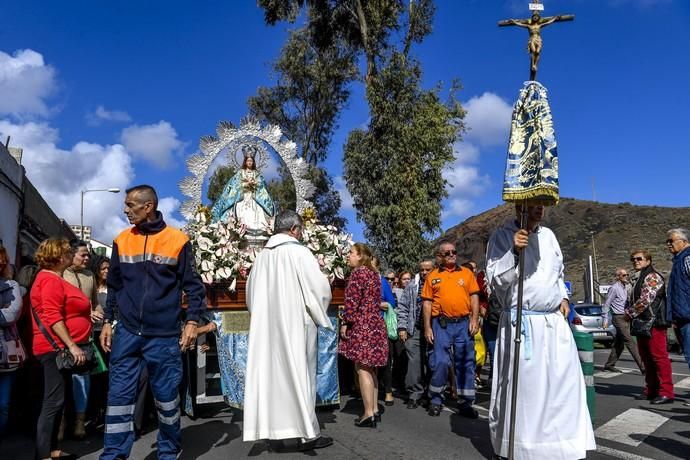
(250, 132)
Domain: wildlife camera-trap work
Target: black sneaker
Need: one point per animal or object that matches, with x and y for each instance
(434, 410)
(412, 404)
(318, 443)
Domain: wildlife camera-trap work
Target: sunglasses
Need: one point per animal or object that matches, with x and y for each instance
(670, 242)
(449, 253)
(390, 279)
(636, 259)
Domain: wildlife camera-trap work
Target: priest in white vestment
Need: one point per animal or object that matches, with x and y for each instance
(552, 420)
(287, 297)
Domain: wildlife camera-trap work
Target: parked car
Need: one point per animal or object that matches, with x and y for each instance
(588, 318)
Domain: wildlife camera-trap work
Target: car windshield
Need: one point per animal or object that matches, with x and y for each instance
(589, 310)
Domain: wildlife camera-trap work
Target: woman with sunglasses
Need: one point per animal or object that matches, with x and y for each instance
(648, 303)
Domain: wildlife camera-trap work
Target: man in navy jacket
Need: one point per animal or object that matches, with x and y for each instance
(151, 265)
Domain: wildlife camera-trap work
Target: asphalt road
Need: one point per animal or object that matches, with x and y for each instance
(625, 428)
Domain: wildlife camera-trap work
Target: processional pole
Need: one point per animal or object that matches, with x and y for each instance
(532, 142)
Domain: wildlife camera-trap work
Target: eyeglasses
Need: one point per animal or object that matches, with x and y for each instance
(390, 279)
(449, 253)
(636, 259)
(670, 241)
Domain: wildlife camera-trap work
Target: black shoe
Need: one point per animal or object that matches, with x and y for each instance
(612, 369)
(661, 400)
(434, 410)
(318, 443)
(377, 417)
(389, 403)
(369, 422)
(642, 397)
(412, 404)
(468, 411)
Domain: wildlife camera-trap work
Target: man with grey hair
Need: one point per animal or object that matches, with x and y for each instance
(614, 308)
(411, 333)
(678, 289)
(287, 296)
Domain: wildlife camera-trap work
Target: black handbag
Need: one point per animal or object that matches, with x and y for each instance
(641, 326)
(64, 359)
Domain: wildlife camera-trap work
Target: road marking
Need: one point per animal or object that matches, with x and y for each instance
(628, 370)
(631, 427)
(619, 453)
(683, 384)
(610, 375)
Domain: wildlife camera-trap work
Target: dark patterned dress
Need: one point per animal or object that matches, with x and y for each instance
(367, 342)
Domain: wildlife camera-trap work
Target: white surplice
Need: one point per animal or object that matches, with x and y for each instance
(287, 296)
(552, 420)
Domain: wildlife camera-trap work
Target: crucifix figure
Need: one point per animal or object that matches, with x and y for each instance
(534, 25)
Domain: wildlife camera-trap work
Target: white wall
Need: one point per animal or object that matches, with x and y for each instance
(11, 175)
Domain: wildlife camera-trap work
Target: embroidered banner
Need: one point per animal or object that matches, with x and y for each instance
(532, 164)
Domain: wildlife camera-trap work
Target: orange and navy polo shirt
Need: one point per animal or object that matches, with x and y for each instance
(450, 291)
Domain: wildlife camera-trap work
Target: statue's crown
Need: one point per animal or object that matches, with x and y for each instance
(249, 151)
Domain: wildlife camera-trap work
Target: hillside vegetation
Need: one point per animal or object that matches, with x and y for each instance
(618, 229)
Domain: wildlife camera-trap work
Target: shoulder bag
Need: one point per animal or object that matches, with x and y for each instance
(64, 359)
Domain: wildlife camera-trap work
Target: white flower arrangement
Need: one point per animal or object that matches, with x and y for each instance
(219, 258)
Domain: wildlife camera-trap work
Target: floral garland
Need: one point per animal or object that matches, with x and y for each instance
(219, 257)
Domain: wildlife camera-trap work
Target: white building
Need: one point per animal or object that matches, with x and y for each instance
(101, 248)
(11, 197)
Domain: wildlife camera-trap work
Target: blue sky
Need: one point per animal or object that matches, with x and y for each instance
(109, 94)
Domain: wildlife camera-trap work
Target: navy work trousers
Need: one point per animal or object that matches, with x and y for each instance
(456, 336)
(162, 358)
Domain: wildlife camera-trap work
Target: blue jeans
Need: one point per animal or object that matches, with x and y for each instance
(81, 384)
(685, 338)
(6, 381)
(163, 361)
(455, 335)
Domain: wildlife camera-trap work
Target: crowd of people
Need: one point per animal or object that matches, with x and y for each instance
(103, 330)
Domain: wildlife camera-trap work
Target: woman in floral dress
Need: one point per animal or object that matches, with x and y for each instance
(363, 331)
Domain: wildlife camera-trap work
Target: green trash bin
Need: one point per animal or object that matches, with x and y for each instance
(585, 349)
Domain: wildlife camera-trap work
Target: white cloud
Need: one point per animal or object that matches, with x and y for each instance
(488, 125)
(154, 143)
(456, 207)
(25, 83)
(60, 175)
(346, 201)
(488, 120)
(101, 114)
(169, 207)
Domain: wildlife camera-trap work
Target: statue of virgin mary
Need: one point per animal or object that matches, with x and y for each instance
(245, 197)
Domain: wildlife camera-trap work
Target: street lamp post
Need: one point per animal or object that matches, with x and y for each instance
(81, 221)
(596, 268)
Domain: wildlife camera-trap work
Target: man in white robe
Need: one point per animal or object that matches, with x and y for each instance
(552, 420)
(287, 297)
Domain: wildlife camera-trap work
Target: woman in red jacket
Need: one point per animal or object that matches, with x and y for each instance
(65, 313)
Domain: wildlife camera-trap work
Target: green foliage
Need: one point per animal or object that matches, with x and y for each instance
(394, 168)
(310, 93)
(220, 177)
(326, 199)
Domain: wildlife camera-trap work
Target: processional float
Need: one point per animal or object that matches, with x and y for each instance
(227, 235)
(531, 175)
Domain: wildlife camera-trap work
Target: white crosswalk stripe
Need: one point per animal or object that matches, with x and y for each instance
(631, 427)
(683, 384)
(610, 375)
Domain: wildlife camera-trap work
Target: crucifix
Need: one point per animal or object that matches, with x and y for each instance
(534, 25)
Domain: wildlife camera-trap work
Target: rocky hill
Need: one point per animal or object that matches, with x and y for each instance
(615, 228)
